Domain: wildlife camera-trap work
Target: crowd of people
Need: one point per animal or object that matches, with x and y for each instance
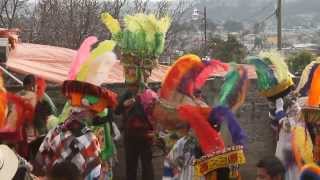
(81, 142)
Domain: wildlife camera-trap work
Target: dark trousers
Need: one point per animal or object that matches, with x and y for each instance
(138, 148)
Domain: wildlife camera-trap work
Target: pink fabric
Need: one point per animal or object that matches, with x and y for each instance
(148, 97)
(53, 64)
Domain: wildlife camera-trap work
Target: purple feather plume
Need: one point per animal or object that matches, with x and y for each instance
(221, 113)
(238, 90)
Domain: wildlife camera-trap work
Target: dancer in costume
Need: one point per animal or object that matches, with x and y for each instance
(198, 124)
(310, 105)
(18, 125)
(141, 42)
(83, 134)
(275, 83)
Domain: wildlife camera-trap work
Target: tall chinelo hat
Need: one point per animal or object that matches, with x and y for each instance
(273, 77)
(141, 42)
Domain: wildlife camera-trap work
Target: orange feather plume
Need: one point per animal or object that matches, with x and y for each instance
(175, 74)
(314, 98)
(3, 102)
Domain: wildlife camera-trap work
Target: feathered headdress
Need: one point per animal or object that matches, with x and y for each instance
(143, 35)
(310, 172)
(82, 55)
(98, 98)
(141, 42)
(89, 68)
(301, 146)
(311, 110)
(273, 74)
(235, 88)
(306, 78)
(97, 59)
(188, 74)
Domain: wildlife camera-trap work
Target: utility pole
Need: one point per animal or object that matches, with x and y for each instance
(279, 20)
(205, 30)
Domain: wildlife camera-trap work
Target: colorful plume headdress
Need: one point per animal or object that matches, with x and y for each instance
(273, 74)
(143, 35)
(188, 74)
(301, 146)
(306, 78)
(310, 172)
(98, 98)
(82, 55)
(235, 88)
(311, 109)
(314, 92)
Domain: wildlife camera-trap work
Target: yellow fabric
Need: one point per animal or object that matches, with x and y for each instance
(215, 161)
(103, 47)
(112, 24)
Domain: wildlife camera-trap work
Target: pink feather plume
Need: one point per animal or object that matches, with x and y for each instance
(214, 66)
(82, 54)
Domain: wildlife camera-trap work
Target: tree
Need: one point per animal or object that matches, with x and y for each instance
(68, 23)
(299, 60)
(233, 26)
(230, 50)
(9, 10)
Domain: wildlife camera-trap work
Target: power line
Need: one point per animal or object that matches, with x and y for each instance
(258, 12)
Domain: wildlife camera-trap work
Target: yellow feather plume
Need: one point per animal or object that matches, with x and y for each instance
(305, 75)
(148, 23)
(103, 47)
(112, 24)
(281, 68)
(133, 24)
(164, 24)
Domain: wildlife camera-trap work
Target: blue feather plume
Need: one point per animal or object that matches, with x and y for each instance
(266, 76)
(221, 113)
